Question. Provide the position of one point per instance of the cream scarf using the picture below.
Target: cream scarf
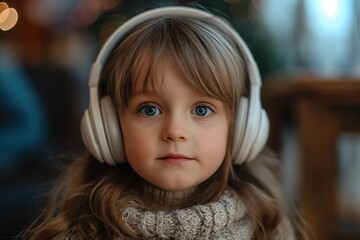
(225, 219)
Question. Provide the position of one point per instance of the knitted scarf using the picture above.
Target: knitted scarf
(225, 219)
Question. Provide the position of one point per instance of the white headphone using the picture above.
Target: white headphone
(100, 127)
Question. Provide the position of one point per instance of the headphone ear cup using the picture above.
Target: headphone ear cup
(252, 130)
(261, 136)
(252, 126)
(112, 130)
(239, 132)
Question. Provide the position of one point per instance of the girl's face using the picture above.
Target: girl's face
(175, 137)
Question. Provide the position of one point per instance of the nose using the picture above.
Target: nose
(175, 129)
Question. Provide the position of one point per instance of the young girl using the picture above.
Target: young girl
(176, 119)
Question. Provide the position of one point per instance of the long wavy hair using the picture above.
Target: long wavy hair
(87, 197)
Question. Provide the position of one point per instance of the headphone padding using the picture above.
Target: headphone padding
(112, 130)
(88, 136)
(240, 124)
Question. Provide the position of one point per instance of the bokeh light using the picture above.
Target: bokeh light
(330, 7)
(8, 17)
(72, 13)
(3, 13)
(87, 12)
(109, 4)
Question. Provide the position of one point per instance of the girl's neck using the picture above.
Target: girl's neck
(159, 199)
(154, 198)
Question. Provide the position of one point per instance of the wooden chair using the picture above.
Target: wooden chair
(320, 109)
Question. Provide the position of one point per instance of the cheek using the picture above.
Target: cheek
(132, 143)
(136, 140)
(214, 144)
(130, 137)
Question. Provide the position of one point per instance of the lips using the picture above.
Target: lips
(175, 158)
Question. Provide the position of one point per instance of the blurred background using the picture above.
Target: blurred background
(308, 52)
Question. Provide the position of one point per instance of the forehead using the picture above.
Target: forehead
(149, 73)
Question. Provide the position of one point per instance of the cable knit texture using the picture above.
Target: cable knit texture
(225, 219)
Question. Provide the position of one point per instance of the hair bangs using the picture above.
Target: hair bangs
(140, 59)
(206, 60)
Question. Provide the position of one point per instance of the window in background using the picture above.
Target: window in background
(326, 45)
(320, 36)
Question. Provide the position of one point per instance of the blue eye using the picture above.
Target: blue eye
(149, 110)
(202, 111)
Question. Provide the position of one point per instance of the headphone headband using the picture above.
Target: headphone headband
(172, 11)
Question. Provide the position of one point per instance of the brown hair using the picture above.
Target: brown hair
(87, 196)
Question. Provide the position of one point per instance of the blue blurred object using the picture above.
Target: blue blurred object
(22, 118)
